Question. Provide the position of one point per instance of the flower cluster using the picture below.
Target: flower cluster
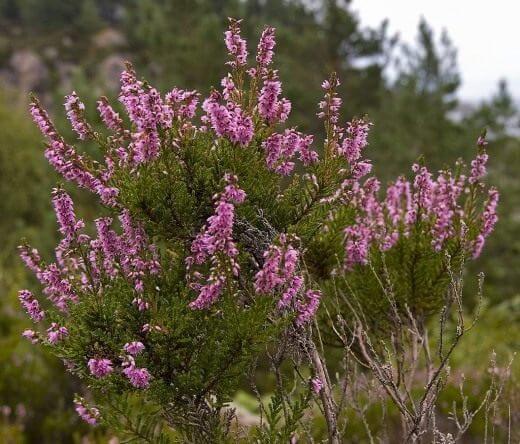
(183, 104)
(90, 415)
(489, 219)
(100, 367)
(235, 44)
(281, 148)
(478, 167)
(31, 305)
(215, 245)
(75, 113)
(148, 113)
(85, 262)
(109, 117)
(228, 121)
(138, 377)
(279, 274)
(307, 308)
(56, 333)
(133, 348)
(31, 336)
(353, 142)
(271, 107)
(316, 385)
(68, 225)
(264, 54)
(433, 204)
(70, 164)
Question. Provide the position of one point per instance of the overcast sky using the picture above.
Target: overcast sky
(486, 34)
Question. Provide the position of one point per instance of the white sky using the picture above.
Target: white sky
(485, 32)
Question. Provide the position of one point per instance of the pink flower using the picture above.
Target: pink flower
(308, 309)
(75, 113)
(478, 168)
(141, 304)
(65, 215)
(31, 258)
(268, 105)
(138, 377)
(228, 121)
(264, 54)
(109, 117)
(279, 273)
(41, 118)
(31, 305)
(100, 367)
(281, 148)
(357, 244)
(355, 140)
(90, 415)
(235, 44)
(208, 293)
(316, 385)
(133, 348)
(31, 335)
(56, 333)
(489, 219)
(182, 103)
(215, 244)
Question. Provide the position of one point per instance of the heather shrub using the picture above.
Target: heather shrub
(221, 233)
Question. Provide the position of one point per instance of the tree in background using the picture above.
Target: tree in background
(417, 106)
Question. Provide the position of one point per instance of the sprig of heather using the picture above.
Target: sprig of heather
(90, 415)
(56, 333)
(235, 44)
(329, 112)
(265, 50)
(109, 117)
(31, 305)
(281, 148)
(280, 275)
(76, 114)
(138, 377)
(434, 205)
(271, 107)
(215, 245)
(489, 219)
(229, 120)
(68, 225)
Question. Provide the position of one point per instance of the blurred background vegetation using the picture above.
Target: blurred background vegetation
(51, 47)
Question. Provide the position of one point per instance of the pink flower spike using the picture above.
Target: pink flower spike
(235, 44)
(31, 305)
(109, 117)
(307, 310)
(90, 415)
(264, 54)
(75, 113)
